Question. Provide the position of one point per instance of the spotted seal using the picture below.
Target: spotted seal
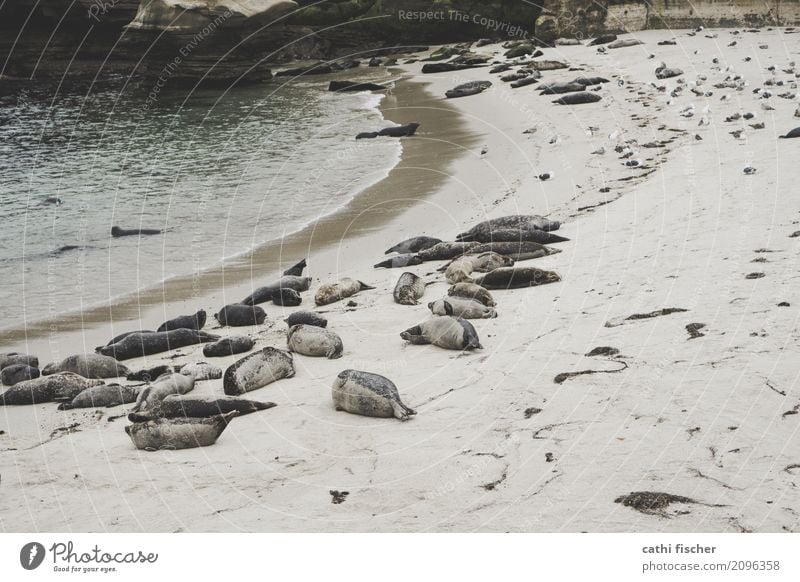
(414, 245)
(526, 234)
(472, 291)
(333, 292)
(16, 373)
(201, 371)
(306, 318)
(517, 278)
(462, 267)
(368, 394)
(88, 366)
(462, 307)
(409, 289)
(228, 346)
(11, 358)
(310, 340)
(148, 374)
(452, 333)
(178, 433)
(187, 406)
(286, 297)
(47, 388)
(166, 384)
(518, 251)
(257, 370)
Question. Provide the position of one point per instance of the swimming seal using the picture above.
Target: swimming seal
(578, 98)
(107, 395)
(482, 232)
(238, 315)
(444, 251)
(257, 370)
(406, 260)
(409, 289)
(196, 321)
(88, 366)
(136, 345)
(462, 307)
(517, 278)
(368, 395)
(452, 333)
(286, 297)
(306, 318)
(47, 389)
(186, 406)
(518, 251)
(166, 384)
(472, 291)
(264, 294)
(310, 340)
(228, 346)
(333, 292)
(201, 371)
(11, 358)
(117, 232)
(414, 245)
(178, 433)
(16, 373)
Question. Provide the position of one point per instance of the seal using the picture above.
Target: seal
(461, 268)
(107, 395)
(136, 345)
(791, 134)
(452, 333)
(11, 358)
(310, 340)
(409, 289)
(196, 321)
(467, 89)
(148, 374)
(47, 389)
(589, 81)
(88, 366)
(201, 371)
(257, 370)
(306, 318)
(525, 234)
(117, 232)
(559, 88)
(482, 232)
(178, 433)
(472, 291)
(368, 395)
(286, 297)
(166, 384)
(444, 251)
(578, 98)
(367, 135)
(122, 336)
(524, 81)
(16, 373)
(295, 270)
(333, 292)
(183, 406)
(518, 251)
(238, 315)
(406, 260)
(406, 130)
(264, 294)
(414, 245)
(517, 278)
(462, 307)
(228, 346)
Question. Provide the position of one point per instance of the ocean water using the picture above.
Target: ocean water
(219, 174)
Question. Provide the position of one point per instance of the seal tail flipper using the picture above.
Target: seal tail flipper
(402, 411)
(365, 286)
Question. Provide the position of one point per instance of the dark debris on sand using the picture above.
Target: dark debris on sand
(655, 502)
(338, 497)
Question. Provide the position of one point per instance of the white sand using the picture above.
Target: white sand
(689, 417)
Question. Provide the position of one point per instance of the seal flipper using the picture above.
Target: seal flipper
(364, 286)
(402, 411)
(141, 399)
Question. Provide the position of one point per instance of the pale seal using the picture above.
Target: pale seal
(306, 318)
(178, 433)
(238, 315)
(559, 88)
(444, 251)
(145, 344)
(482, 232)
(47, 389)
(186, 406)
(526, 234)
(264, 294)
(368, 395)
(406, 260)
(286, 297)
(310, 340)
(201, 371)
(166, 384)
(196, 321)
(472, 291)
(517, 278)
(107, 395)
(88, 366)
(447, 332)
(518, 251)
(462, 307)
(122, 336)
(228, 346)
(257, 370)
(414, 245)
(333, 292)
(409, 289)
(16, 373)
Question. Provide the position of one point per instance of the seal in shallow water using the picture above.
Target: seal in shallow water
(187, 406)
(517, 278)
(414, 245)
(368, 395)
(310, 340)
(333, 292)
(452, 333)
(257, 370)
(409, 289)
(482, 232)
(88, 366)
(178, 433)
(144, 344)
(196, 321)
(64, 385)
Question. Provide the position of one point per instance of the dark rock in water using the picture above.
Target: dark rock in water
(306, 318)
(148, 374)
(286, 297)
(228, 346)
(520, 51)
(524, 82)
(501, 68)
(603, 39)
(367, 135)
(578, 98)
(406, 130)
(354, 86)
(446, 67)
(315, 69)
(116, 231)
(467, 89)
(16, 373)
(196, 321)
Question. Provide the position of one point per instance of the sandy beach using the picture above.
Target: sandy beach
(505, 439)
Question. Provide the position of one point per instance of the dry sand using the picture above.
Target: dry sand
(497, 444)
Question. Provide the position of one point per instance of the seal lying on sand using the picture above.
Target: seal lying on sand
(16, 373)
(447, 332)
(264, 294)
(578, 98)
(368, 395)
(472, 291)
(196, 321)
(399, 261)
(444, 251)
(333, 292)
(166, 384)
(409, 289)
(11, 358)
(186, 406)
(306, 318)
(47, 388)
(238, 315)
(310, 340)
(462, 307)
(517, 278)
(148, 374)
(519, 251)
(136, 345)
(201, 371)
(107, 395)
(406, 130)
(286, 297)
(525, 234)
(414, 245)
(461, 268)
(88, 366)
(228, 346)
(482, 232)
(178, 433)
(257, 370)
